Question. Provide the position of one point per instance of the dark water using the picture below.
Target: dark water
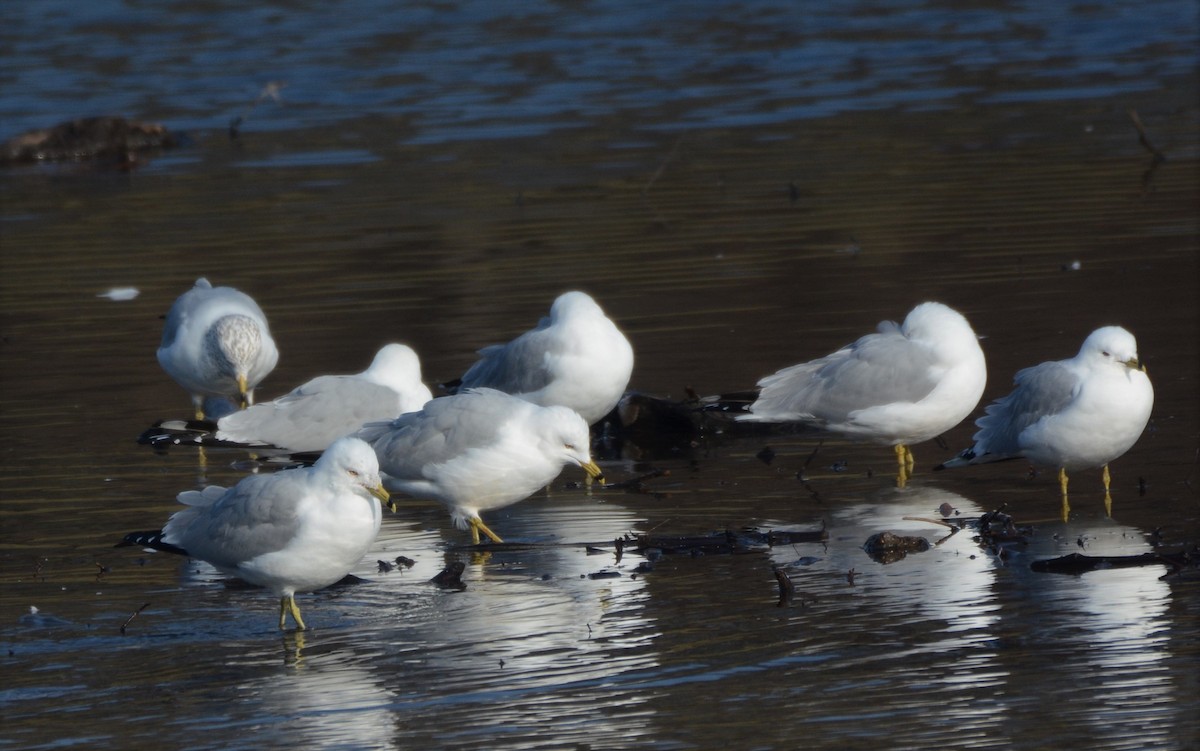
(742, 186)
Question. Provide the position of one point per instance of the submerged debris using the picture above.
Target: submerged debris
(787, 590)
(721, 542)
(451, 576)
(889, 547)
(1078, 563)
(112, 139)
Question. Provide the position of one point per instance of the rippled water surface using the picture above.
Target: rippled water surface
(742, 186)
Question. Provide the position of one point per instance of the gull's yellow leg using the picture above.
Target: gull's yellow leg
(1062, 484)
(902, 465)
(287, 604)
(478, 526)
(909, 460)
(1107, 496)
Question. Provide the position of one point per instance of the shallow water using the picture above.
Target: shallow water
(740, 194)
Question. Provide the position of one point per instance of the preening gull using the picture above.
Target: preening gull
(216, 343)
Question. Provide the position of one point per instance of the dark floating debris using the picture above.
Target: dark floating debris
(726, 542)
(787, 590)
(109, 139)
(451, 576)
(1078, 563)
(889, 547)
(606, 574)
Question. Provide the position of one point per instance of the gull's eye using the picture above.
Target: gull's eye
(352, 472)
(569, 446)
(1106, 354)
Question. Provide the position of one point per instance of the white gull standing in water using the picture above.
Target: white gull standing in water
(216, 343)
(1069, 414)
(903, 384)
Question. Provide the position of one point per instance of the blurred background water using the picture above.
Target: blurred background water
(742, 186)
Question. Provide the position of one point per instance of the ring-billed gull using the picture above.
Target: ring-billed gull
(479, 450)
(577, 358)
(296, 530)
(313, 415)
(1071, 414)
(902, 385)
(216, 343)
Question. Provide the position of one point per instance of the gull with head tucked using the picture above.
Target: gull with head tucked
(315, 414)
(479, 450)
(577, 358)
(216, 343)
(297, 530)
(903, 384)
(1069, 414)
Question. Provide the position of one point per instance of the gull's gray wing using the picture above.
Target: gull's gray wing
(518, 367)
(878, 369)
(255, 517)
(183, 309)
(445, 429)
(312, 416)
(1041, 391)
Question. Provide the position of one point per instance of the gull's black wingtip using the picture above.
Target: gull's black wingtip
(150, 539)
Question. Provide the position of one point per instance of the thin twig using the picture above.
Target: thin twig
(135, 615)
(1143, 139)
(662, 167)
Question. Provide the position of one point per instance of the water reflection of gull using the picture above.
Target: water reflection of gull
(949, 584)
(1105, 635)
(328, 698)
(533, 640)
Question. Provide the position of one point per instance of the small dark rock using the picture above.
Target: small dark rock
(451, 576)
(889, 547)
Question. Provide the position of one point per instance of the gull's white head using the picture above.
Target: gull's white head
(943, 329)
(395, 366)
(352, 462)
(573, 303)
(1111, 344)
(233, 344)
(565, 435)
